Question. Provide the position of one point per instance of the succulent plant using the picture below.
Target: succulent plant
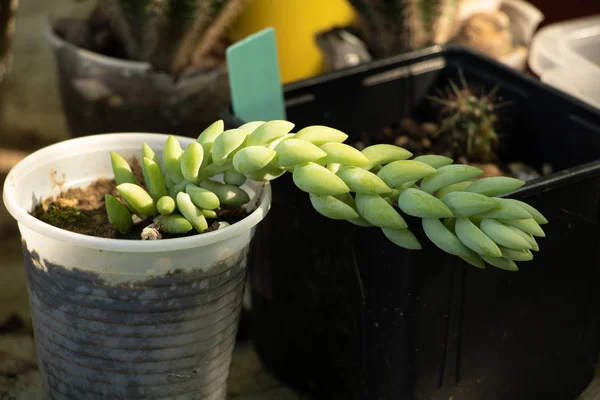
(369, 188)
(170, 34)
(397, 26)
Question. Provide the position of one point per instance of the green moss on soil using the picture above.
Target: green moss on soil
(65, 217)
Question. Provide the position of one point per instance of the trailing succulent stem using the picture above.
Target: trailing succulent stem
(369, 188)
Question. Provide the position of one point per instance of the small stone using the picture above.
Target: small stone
(514, 167)
(489, 170)
(412, 128)
(223, 224)
(401, 140)
(151, 233)
(115, 101)
(432, 129)
(522, 171)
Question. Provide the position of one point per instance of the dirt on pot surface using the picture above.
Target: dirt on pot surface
(82, 210)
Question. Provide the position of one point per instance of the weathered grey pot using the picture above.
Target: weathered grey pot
(127, 319)
(105, 94)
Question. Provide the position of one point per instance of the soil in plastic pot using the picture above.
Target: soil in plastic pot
(82, 210)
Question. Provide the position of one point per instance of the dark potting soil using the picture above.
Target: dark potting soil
(82, 210)
(421, 138)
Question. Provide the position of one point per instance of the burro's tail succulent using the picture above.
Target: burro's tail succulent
(369, 188)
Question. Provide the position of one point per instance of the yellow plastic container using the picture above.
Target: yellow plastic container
(296, 22)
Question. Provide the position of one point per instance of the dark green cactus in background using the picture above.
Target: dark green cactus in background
(396, 26)
(170, 34)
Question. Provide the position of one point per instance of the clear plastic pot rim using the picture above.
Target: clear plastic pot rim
(118, 142)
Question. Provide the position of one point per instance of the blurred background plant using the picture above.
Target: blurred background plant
(172, 35)
(500, 29)
(8, 15)
(163, 70)
(396, 26)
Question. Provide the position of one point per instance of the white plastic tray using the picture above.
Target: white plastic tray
(566, 55)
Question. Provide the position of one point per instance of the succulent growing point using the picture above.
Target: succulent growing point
(369, 188)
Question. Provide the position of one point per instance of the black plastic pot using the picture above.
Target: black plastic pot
(102, 94)
(341, 313)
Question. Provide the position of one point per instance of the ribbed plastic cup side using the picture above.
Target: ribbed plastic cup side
(164, 338)
(128, 319)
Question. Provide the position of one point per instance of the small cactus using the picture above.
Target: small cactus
(469, 120)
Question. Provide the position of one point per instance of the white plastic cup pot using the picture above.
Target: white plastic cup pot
(127, 318)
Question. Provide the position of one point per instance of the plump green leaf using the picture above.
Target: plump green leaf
(293, 152)
(362, 181)
(191, 160)
(122, 169)
(319, 135)
(165, 205)
(332, 207)
(313, 178)
(118, 214)
(138, 199)
(252, 159)
(419, 204)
